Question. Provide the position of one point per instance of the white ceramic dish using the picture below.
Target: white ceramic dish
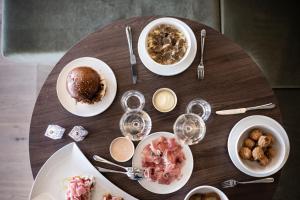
(241, 130)
(177, 24)
(126, 149)
(176, 68)
(206, 189)
(66, 162)
(155, 187)
(81, 109)
(161, 90)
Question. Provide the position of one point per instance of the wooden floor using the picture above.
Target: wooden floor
(19, 86)
(16, 103)
(17, 95)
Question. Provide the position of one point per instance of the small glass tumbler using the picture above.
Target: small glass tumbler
(135, 123)
(190, 127)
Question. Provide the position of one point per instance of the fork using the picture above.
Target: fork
(133, 175)
(100, 159)
(232, 182)
(200, 68)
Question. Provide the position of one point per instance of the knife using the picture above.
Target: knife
(243, 110)
(132, 56)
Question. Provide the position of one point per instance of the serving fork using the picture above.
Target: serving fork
(200, 68)
(132, 172)
(133, 175)
(103, 160)
(232, 182)
(131, 54)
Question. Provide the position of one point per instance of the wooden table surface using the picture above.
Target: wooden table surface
(232, 80)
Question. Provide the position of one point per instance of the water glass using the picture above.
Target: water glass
(190, 127)
(135, 123)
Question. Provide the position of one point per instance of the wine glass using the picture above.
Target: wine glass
(190, 127)
(135, 123)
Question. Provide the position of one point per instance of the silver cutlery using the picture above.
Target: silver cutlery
(232, 182)
(133, 171)
(200, 68)
(243, 110)
(100, 159)
(131, 54)
(133, 175)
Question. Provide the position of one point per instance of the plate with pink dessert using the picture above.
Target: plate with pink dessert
(168, 163)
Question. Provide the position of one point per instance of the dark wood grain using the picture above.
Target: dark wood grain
(232, 80)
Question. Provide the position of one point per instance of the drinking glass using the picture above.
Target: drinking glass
(190, 127)
(135, 123)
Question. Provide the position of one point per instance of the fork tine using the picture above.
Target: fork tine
(202, 73)
(225, 184)
(228, 183)
(199, 73)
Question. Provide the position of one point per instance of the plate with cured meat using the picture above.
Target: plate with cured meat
(168, 164)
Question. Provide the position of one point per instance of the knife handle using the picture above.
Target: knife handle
(264, 106)
(231, 111)
(101, 169)
(203, 34)
(129, 39)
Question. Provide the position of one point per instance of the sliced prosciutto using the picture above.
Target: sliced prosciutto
(163, 160)
(80, 188)
(110, 197)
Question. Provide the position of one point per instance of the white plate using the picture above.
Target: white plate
(81, 109)
(164, 70)
(240, 131)
(206, 189)
(66, 162)
(155, 187)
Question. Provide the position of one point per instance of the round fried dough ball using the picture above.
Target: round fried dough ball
(264, 141)
(271, 138)
(245, 153)
(258, 153)
(264, 161)
(271, 152)
(249, 143)
(255, 134)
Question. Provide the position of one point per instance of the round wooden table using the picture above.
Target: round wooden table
(232, 80)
